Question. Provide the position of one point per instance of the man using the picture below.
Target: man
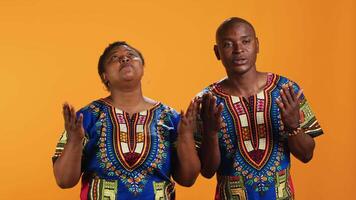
(252, 121)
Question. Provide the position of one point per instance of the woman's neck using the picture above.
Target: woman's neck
(129, 99)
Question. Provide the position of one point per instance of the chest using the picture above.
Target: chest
(251, 127)
(129, 143)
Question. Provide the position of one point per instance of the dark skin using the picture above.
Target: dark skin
(301, 145)
(237, 48)
(187, 163)
(122, 75)
(72, 153)
(212, 122)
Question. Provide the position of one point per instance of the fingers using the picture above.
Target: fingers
(190, 109)
(198, 101)
(210, 105)
(212, 111)
(291, 89)
(206, 102)
(220, 108)
(289, 100)
(195, 110)
(286, 91)
(182, 115)
(213, 108)
(66, 115)
(300, 92)
(183, 118)
(71, 121)
(206, 105)
(79, 122)
(72, 115)
(203, 104)
(283, 98)
(280, 104)
(295, 96)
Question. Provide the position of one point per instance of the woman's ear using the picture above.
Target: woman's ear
(104, 79)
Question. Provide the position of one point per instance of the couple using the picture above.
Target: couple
(243, 128)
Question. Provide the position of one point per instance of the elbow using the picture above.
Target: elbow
(63, 184)
(307, 158)
(64, 181)
(188, 179)
(187, 183)
(207, 174)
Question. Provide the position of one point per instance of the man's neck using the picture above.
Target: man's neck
(245, 84)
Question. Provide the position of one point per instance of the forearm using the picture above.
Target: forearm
(301, 146)
(209, 155)
(188, 163)
(67, 168)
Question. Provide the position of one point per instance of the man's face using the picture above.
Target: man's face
(237, 48)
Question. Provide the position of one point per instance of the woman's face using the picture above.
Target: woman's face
(122, 65)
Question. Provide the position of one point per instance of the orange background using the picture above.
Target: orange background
(49, 53)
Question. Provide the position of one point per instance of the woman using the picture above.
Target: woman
(126, 146)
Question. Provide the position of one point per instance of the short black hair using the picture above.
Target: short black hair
(104, 56)
(230, 21)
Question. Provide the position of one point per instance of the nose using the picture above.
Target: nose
(237, 48)
(124, 59)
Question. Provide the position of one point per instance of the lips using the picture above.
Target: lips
(239, 61)
(125, 65)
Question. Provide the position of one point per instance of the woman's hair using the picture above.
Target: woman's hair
(104, 56)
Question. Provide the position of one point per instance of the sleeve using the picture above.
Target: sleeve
(63, 139)
(308, 121)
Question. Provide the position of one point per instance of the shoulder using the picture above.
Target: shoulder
(167, 116)
(210, 88)
(281, 80)
(93, 107)
(167, 110)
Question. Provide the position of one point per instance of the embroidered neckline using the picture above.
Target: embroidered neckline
(152, 108)
(270, 82)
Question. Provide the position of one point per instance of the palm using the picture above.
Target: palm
(211, 113)
(289, 106)
(72, 123)
(187, 123)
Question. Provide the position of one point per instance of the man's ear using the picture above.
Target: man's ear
(216, 51)
(257, 45)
